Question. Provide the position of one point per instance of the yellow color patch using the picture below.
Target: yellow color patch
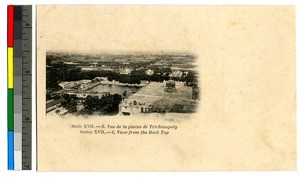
(10, 67)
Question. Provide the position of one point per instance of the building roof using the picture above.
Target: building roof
(54, 102)
(63, 112)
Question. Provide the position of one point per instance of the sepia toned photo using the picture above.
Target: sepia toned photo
(165, 88)
(124, 84)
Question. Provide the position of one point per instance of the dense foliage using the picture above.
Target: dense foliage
(107, 104)
(58, 72)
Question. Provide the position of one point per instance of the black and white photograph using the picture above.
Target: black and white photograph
(121, 84)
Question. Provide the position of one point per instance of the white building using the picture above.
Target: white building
(83, 94)
(129, 107)
(101, 79)
(84, 83)
(176, 73)
(68, 85)
(149, 72)
(89, 69)
(125, 71)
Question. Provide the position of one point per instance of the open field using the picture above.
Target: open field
(157, 89)
(154, 94)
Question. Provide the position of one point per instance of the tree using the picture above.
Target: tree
(125, 94)
(70, 103)
(91, 103)
(71, 106)
(108, 104)
(190, 78)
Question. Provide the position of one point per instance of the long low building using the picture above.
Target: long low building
(84, 94)
(54, 104)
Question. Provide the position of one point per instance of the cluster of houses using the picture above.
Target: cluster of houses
(134, 104)
(137, 106)
(126, 70)
(82, 95)
(94, 67)
(78, 89)
(56, 105)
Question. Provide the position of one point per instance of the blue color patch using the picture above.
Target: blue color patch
(10, 159)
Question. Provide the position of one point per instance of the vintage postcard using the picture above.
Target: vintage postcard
(166, 88)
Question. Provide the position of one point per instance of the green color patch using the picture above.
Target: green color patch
(10, 109)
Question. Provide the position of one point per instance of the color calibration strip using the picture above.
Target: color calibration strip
(19, 43)
(10, 80)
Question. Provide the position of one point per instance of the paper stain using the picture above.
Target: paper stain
(232, 23)
(267, 142)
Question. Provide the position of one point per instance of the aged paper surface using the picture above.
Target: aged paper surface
(246, 116)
